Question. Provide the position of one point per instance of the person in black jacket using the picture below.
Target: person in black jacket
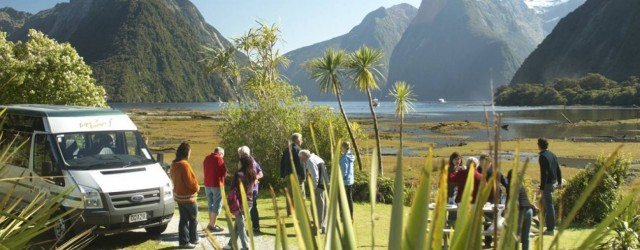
(486, 162)
(525, 212)
(550, 179)
(285, 164)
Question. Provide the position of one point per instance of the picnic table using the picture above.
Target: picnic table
(488, 210)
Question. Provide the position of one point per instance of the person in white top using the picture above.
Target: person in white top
(317, 170)
(104, 142)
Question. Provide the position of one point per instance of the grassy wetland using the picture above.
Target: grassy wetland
(166, 129)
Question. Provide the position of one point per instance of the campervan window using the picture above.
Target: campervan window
(19, 144)
(17, 130)
(44, 162)
(22, 123)
(105, 149)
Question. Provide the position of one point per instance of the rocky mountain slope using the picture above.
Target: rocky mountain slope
(454, 48)
(551, 11)
(381, 29)
(598, 37)
(11, 19)
(141, 51)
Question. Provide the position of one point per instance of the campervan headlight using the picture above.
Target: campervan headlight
(168, 191)
(91, 197)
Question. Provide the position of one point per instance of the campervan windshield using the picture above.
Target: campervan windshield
(103, 149)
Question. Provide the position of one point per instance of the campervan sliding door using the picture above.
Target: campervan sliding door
(45, 165)
(16, 172)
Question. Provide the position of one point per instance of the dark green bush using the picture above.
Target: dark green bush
(322, 118)
(360, 189)
(266, 128)
(603, 200)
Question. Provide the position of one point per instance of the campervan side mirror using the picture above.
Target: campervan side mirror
(160, 159)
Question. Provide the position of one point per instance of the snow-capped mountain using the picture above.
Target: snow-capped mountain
(551, 11)
(542, 6)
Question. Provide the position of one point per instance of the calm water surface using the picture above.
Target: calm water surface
(524, 122)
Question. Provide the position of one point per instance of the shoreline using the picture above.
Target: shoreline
(420, 135)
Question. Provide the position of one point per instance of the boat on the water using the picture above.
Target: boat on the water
(441, 100)
(375, 102)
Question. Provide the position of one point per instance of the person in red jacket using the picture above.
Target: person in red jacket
(185, 193)
(214, 173)
(459, 178)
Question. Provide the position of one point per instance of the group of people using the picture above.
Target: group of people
(249, 172)
(550, 179)
(301, 161)
(186, 189)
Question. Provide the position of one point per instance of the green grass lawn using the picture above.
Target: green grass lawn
(363, 227)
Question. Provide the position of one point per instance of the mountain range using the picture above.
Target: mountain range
(140, 51)
(380, 29)
(11, 19)
(598, 37)
(453, 49)
(150, 51)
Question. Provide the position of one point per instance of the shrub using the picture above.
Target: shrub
(360, 189)
(267, 128)
(322, 118)
(271, 111)
(626, 230)
(604, 199)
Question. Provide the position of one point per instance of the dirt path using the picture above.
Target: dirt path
(138, 239)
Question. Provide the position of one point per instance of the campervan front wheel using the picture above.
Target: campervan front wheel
(157, 230)
(61, 227)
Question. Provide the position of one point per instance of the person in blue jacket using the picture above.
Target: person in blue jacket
(346, 166)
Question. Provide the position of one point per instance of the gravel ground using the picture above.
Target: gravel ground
(170, 237)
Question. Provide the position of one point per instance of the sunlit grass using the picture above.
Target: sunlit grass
(202, 134)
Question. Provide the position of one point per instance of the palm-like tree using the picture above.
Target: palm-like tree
(363, 67)
(326, 70)
(404, 97)
(223, 61)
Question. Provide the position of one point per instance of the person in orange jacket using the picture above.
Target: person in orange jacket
(185, 193)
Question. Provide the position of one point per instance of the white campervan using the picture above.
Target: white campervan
(117, 185)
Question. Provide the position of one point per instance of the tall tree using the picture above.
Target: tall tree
(222, 61)
(364, 68)
(326, 70)
(265, 60)
(43, 71)
(402, 93)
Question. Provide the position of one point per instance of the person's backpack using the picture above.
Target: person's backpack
(234, 202)
(323, 176)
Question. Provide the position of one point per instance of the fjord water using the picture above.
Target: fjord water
(523, 122)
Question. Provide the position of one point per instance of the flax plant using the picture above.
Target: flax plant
(23, 221)
(425, 225)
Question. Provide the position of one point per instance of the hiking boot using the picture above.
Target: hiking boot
(215, 228)
(188, 246)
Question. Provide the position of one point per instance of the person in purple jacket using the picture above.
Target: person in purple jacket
(255, 215)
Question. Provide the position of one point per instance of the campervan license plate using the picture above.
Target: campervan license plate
(137, 217)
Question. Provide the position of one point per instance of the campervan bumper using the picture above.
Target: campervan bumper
(111, 221)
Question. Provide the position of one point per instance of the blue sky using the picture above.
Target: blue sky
(302, 22)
